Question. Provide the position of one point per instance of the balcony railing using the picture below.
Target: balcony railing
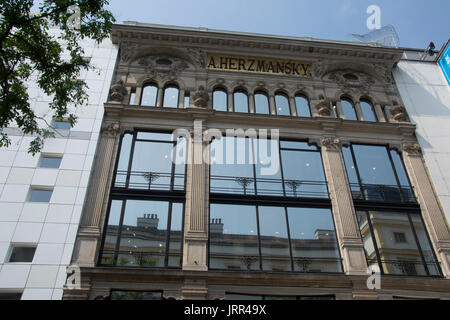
(409, 267)
(385, 193)
(268, 187)
(148, 180)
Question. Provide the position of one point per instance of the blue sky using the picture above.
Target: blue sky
(417, 21)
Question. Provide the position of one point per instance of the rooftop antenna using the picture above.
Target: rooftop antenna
(385, 36)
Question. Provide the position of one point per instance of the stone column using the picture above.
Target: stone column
(196, 215)
(89, 234)
(359, 114)
(251, 103)
(347, 229)
(159, 99)
(137, 98)
(340, 111)
(230, 102)
(272, 107)
(379, 112)
(181, 99)
(292, 106)
(432, 212)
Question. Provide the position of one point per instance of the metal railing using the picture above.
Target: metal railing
(149, 180)
(268, 187)
(385, 193)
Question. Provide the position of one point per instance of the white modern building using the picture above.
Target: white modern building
(41, 197)
(426, 96)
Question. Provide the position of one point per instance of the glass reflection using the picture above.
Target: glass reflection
(171, 97)
(400, 252)
(149, 94)
(282, 105)
(275, 253)
(349, 109)
(233, 240)
(240, 101)
(220, 100)
(367, 111)
(302, 106)
(313, 240)
(261, 103)
(112, 232)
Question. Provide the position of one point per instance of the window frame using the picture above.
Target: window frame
(145, 85)
(285, 95)
(164, 93)
(304, 96)
(352, 103)
(263, 93)
(220, 89)
(241, 91)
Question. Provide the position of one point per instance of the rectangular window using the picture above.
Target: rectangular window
(272, 238)
(390, 250)
(132, 97)
(22, 254)
(143, 233)
(186, 100)
(50, 161)
(264, 167)
(61, 125)
(376, 173)
(40, 195)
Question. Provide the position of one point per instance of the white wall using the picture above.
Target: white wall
(52, 226)
(426, 96)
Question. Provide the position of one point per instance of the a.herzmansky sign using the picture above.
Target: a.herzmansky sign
(259, 65)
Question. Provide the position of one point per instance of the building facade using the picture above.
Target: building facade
(234, 165)
(426, 95)
(41, 196)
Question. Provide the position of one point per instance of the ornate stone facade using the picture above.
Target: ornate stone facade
(178, 58)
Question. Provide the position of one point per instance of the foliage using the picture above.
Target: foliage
(31, 51)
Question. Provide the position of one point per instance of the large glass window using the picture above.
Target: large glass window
(302, 106)
(282, 104)
(171, 93)
(240, 101)
(408, 254)
(261, 102)
(272, 238)
(143, 233)
(152, 161)
(149, 95)
(376, 174)
(252, 166)
(145, 220)
(349, 109)
(220, 100)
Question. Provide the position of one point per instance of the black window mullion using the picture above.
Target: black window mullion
(119, 232)
(172, 174)
(169, 221)
(356, 169)
(130, 160)
(375, 245)
(289, 238)
(395, 171)
(254, 165)
(281, 168)
(259, 238)
(418, 244)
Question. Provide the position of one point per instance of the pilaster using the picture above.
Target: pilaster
(347, 230)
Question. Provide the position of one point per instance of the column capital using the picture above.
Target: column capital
(412, 148)
(331, 143)
(110, 129)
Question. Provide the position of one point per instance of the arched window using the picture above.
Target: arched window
(220, 99)
(149, 94)
(171, 96)
(240, 98)
(261, 102)
(302, 106)
(282, 104)
(368, 111)
(349, 109)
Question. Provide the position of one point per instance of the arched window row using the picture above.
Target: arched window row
(348, 109)
(152, 96)
(260, 102)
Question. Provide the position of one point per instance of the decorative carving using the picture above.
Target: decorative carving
(111, 129)
(324, 108)
(127, 51)
(413, 148)
(170, 70)
(399, 114)
(117, 91)
(201, 98)
(198, 56)
(359, 84)
(331, 143)
(318, 69)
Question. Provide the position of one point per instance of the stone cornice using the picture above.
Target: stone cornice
(215, 39)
